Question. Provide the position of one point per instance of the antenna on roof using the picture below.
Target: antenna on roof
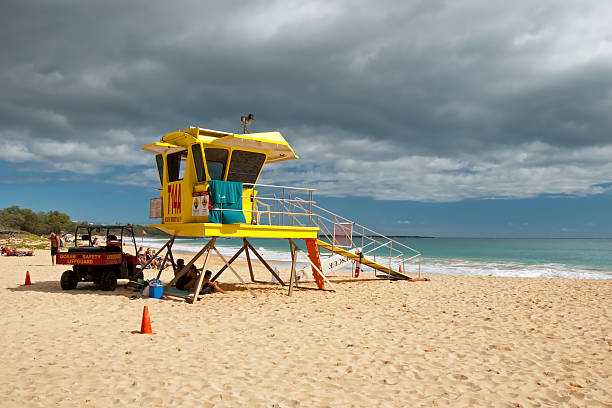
(244, 121)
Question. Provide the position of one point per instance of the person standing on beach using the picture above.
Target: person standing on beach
(54, 238)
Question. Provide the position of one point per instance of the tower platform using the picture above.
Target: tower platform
(206, 229)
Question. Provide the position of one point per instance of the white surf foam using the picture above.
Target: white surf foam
(428, 265)
(512, 269)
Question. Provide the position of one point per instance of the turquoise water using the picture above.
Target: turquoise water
(590, 253)
(564, 258)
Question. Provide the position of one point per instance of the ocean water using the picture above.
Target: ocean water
(550, 258)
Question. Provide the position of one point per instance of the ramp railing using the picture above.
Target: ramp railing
(372, 245)
(291, 206)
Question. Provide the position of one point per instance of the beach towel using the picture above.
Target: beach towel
(176, 292)
(225, 195)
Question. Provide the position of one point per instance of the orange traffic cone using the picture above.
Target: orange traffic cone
(145, 327)
(28, 281)
(400, 269)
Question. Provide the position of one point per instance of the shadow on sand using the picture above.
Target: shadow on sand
(88, 288)
(82, 288)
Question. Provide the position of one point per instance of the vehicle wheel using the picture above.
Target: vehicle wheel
(69, 280)
(108, 281)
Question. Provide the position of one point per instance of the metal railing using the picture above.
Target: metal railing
(291, 206)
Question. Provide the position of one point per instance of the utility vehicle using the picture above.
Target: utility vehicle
(100, 262)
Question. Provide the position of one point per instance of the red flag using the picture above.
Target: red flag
(144, 232)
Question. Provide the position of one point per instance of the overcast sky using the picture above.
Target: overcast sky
(428, 101)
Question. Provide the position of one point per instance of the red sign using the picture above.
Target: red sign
(174, 198)
(75, 258)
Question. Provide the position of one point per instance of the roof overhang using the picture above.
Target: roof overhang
(162, 148)
(272, 142)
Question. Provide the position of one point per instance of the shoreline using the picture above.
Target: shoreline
(464, 267)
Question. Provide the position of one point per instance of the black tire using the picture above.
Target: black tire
(108, 281)
(69, 280)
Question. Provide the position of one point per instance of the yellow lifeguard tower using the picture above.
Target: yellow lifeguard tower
(209, 189)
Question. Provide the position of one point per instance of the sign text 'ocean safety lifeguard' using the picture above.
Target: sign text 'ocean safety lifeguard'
(88, 259)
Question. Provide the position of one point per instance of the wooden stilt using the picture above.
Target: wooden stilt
(265, 263)
(193, 260)
(248, 257)
(296, 283)
(234, 271)
(162, 265)
(160, 268)
(292, 278)
(229, 262)
(171, 258)
(315, 268)
(209, 247)
(143, 267)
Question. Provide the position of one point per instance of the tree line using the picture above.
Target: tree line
(17, 219)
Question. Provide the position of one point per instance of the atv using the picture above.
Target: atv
(101, 263)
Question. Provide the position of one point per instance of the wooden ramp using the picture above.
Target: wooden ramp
(364, 261)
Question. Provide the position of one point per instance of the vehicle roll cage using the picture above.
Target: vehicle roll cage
(127, 231)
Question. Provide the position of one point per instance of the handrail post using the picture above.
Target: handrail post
(390, 253)
(310, 208)
(362, 236)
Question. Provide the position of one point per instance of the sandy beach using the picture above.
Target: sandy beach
(454, 341)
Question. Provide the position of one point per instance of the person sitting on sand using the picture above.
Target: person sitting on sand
(29, 252)
(209, 286)
(190, 280)
(180, 264)
(8, 251)
(149, 257)
(15, 252)
(141, 256)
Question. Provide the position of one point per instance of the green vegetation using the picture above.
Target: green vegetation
(18, 219)
(32, 241)
(25, 221)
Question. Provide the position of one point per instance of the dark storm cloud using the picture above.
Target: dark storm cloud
(431, 79)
